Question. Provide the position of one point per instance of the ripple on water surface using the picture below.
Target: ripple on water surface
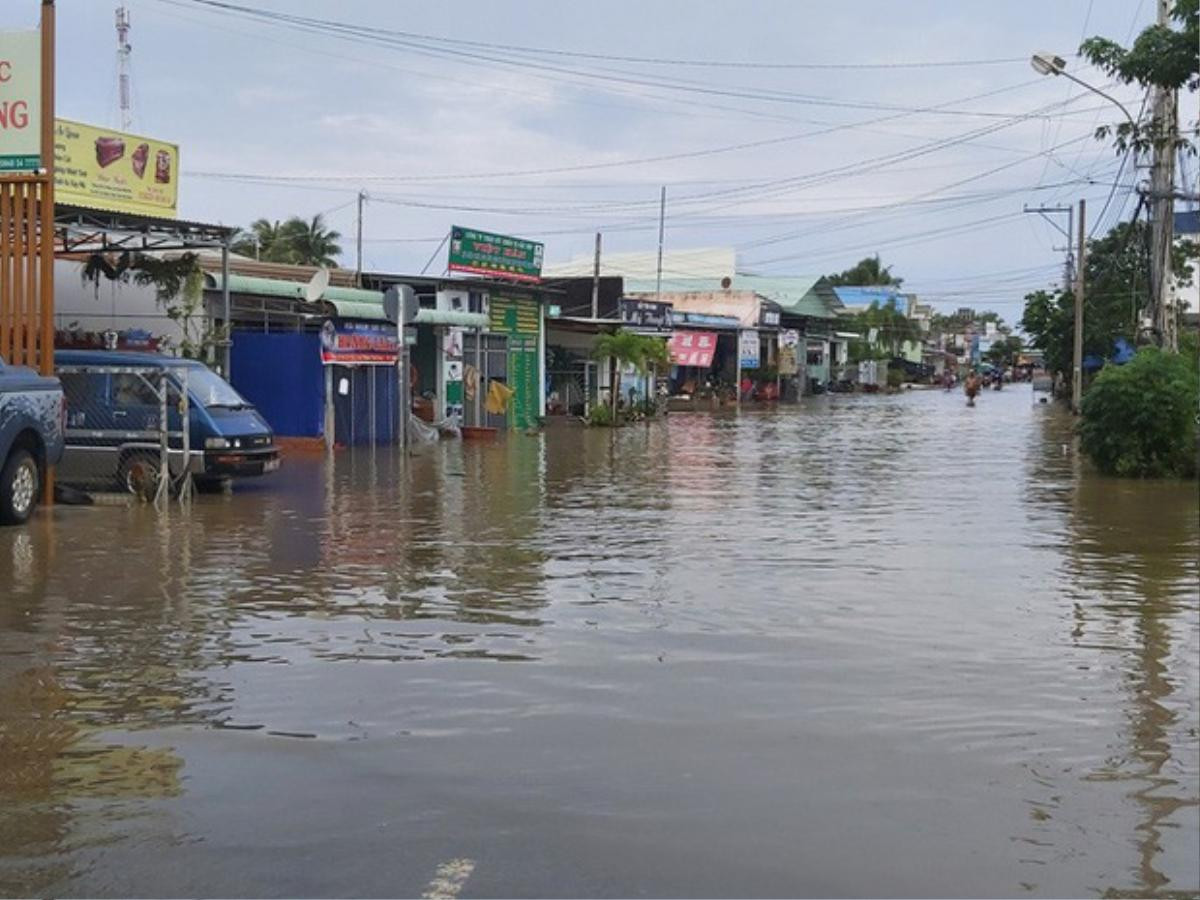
(876, 645)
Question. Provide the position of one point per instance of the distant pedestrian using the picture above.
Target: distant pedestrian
(971, 387)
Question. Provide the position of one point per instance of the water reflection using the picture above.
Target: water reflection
(1135, 549)
(820, 644)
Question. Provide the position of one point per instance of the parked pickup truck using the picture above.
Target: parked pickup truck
(31, 438)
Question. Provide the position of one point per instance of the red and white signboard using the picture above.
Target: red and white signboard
(693, 348)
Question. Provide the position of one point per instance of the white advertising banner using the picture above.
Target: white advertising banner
(20, 101)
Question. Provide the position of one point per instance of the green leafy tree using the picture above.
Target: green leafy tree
(1161, 56)
(625, 348)
(1116, 283)
(893, 329)
(867, 271)
(1139, 419)
(1003, 352)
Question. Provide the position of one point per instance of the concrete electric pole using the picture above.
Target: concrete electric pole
(1081, 268)
(596, 280)
(1162, 209)
(358, 264)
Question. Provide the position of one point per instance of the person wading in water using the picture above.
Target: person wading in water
(972, 388)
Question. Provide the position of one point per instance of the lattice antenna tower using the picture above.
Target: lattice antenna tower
(123, 52)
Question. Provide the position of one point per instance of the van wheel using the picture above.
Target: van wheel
(19, 486)
(138, 474)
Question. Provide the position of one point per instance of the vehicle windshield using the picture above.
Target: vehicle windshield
(212, 390)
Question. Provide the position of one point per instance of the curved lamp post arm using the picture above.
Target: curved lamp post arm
(1095, 90)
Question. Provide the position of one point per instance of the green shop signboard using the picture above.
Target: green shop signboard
(481, 253)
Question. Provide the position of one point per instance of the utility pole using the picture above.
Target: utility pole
(596, 281)
(1068, 274)
(1162, 199)
(1077, 367)
(358, 267)
(123, 51)
(662, 215)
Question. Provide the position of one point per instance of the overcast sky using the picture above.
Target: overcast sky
(412, 121)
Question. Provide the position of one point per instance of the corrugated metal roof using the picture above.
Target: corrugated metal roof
(210, 261)
(797, 295)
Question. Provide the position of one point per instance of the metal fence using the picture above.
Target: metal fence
(129, 430)
(574, 388)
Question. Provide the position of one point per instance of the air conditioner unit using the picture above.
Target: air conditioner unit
(452, 301)
(463, 301)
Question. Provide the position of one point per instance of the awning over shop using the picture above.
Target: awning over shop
(427, 316)
(700, 320)
(346, 302)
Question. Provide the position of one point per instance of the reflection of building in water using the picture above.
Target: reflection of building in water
(1134, 546)
(50, 765)
(449, 533)
(115, 642)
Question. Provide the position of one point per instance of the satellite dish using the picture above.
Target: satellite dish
(316, 285)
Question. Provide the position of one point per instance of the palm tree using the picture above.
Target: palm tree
(262, 241)
(622, 348)
(310, 243)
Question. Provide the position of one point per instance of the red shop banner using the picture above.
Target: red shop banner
(693, 348)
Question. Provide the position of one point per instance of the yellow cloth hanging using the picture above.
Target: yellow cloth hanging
(498, 396)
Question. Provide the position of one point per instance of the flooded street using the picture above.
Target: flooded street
(883, 646)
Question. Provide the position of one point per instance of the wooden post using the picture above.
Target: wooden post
(47, 221)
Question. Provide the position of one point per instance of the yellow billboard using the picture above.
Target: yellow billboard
(104, 169)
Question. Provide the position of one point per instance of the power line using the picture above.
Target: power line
(642, 60)
(379, 37)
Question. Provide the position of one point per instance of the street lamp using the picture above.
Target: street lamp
(1048, 64)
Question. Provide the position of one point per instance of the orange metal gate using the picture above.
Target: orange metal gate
(27, 272)
(27, 243)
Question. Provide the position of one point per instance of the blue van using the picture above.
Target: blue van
(113, 415)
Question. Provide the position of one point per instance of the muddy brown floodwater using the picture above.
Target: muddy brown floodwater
(884, 646)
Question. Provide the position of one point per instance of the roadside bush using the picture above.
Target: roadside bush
(600, 415)
(1139, 420)
(895, 377)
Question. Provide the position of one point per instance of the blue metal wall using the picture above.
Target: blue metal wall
(281, 374)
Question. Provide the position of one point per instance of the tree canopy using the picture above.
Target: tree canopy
(1116, 283)
(296, 241)
(1160, 56)
(890, 326)
(867, 271)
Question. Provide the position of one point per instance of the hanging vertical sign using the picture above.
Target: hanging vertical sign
(748, 348)
(20, 101)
